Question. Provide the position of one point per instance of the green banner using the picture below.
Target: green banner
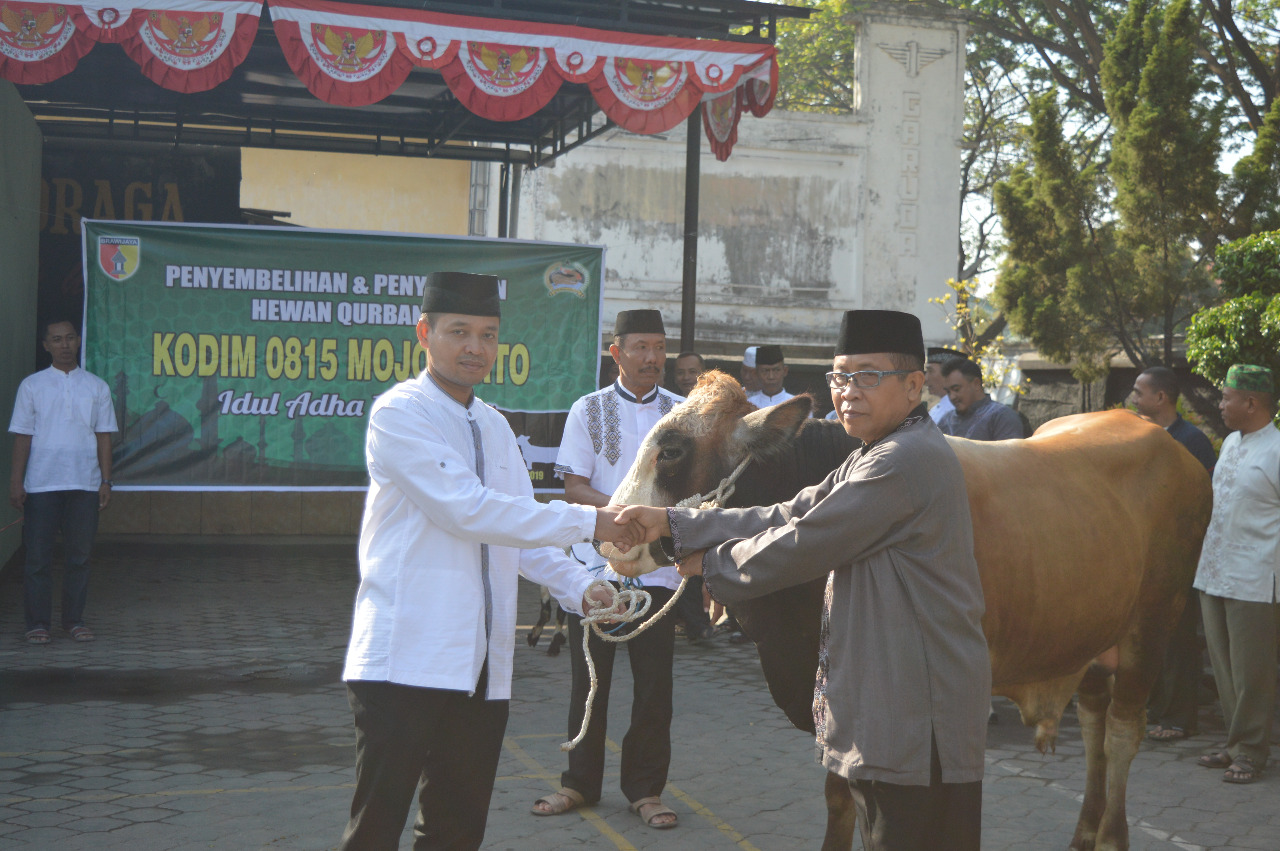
(248, 357)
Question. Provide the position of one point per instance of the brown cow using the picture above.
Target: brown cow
(1086, 537)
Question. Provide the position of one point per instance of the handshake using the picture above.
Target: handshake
(627, 526)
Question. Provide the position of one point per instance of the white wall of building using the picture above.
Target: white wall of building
(812, 214)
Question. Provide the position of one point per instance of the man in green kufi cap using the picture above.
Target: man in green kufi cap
(1238, 572)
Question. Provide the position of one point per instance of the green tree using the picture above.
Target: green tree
(1246, 328)
(815, 67)
(1062, 282)
(1064, 43)
(1164, 164)
(1110, 234)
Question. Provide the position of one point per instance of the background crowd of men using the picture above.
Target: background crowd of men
(450, 522)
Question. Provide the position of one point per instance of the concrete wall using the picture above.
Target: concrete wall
(19, 261)
(226, 513)
(812, 215)
(353, 192)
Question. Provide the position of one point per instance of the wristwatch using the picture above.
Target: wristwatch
(108, 483)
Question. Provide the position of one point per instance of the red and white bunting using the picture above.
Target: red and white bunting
(354, 55)
(182, 45)
(508, 70)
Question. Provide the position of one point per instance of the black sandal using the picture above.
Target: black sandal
(1242, 771)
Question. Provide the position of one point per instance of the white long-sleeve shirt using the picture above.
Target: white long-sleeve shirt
(420, 611)
(763, 400)
(1240, 558)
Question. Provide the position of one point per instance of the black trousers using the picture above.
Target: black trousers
(919, 818)
(646, 748)
(1175, 698)
(443, 743)
(689, 608)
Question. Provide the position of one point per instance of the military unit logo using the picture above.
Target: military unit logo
(118, 256)
(567, 277)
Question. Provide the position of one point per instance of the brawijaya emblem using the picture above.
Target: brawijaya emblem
(119, 256)
(567, 277)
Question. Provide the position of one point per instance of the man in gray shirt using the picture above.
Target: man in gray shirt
(976, 416)
(901, 697)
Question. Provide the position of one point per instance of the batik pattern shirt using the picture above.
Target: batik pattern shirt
(1241, 551)
(602, 436)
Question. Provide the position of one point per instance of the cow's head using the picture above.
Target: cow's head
(696, 446)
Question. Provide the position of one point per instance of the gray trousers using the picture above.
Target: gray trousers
(1241, 637)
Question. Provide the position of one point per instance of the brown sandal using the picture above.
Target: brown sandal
(556, 803)
(650, 809)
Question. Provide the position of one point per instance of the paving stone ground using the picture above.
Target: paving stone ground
(209, 714)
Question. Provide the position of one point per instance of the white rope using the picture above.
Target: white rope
(636, 602)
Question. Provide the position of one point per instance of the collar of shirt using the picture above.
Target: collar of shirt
(1262, 435)
(448, 395)
(976, 408)
(917, 414)
(630, 397)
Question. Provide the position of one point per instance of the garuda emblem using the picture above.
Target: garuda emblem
(33, 31)
(503, 69)
(647, 85)
(349, 53)
(186, 34)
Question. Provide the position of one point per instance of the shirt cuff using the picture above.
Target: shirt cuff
(676, 546)
(588, 528)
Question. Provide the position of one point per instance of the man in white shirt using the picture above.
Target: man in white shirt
(601, 438)
(771, 369)
(61, 478)
(1237, 572)
(449, 522)
(750, 381)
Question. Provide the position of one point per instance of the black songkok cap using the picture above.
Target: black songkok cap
(768, 355)
(938, 354)
(865, 332)
(461, 292)
(638, 322)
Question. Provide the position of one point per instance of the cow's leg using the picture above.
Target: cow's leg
(1091, 708)
(558, 640)
(1126, 725)
(544, 615)
(842, 816)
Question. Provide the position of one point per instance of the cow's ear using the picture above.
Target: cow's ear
(769, 431)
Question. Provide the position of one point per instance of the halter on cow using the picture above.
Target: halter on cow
(1086, 536)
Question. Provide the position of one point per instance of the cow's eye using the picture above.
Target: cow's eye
(668, 453)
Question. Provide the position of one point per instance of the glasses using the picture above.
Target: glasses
(863, 379)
